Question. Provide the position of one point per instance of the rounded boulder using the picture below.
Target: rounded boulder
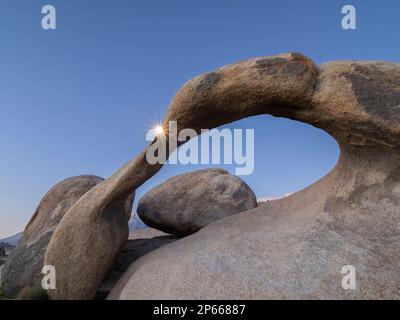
(184, 204)
(23, 268)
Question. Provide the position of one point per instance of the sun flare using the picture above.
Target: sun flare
(158, 130)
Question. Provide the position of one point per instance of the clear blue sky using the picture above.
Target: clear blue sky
(79, 100)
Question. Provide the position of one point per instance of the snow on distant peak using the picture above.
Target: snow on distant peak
(268, 199)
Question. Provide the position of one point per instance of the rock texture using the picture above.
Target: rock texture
(188, 202)
(23, 268)
(3, 252)
(290, 248)
(295, 247)
(139, 243)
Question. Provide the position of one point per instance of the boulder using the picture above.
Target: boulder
(23, 268)
(188, 202)
(88, 241)
(296, 247)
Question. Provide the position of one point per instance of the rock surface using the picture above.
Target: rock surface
(143, 242)
(188, 202)
(140, 242)
(23, 268)
(3, 252)
(295, 247)
(88, 241)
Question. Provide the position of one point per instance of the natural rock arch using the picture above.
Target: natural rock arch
(354, 207)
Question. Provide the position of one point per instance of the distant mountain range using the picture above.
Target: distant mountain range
(134, 224)
(13, 240)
